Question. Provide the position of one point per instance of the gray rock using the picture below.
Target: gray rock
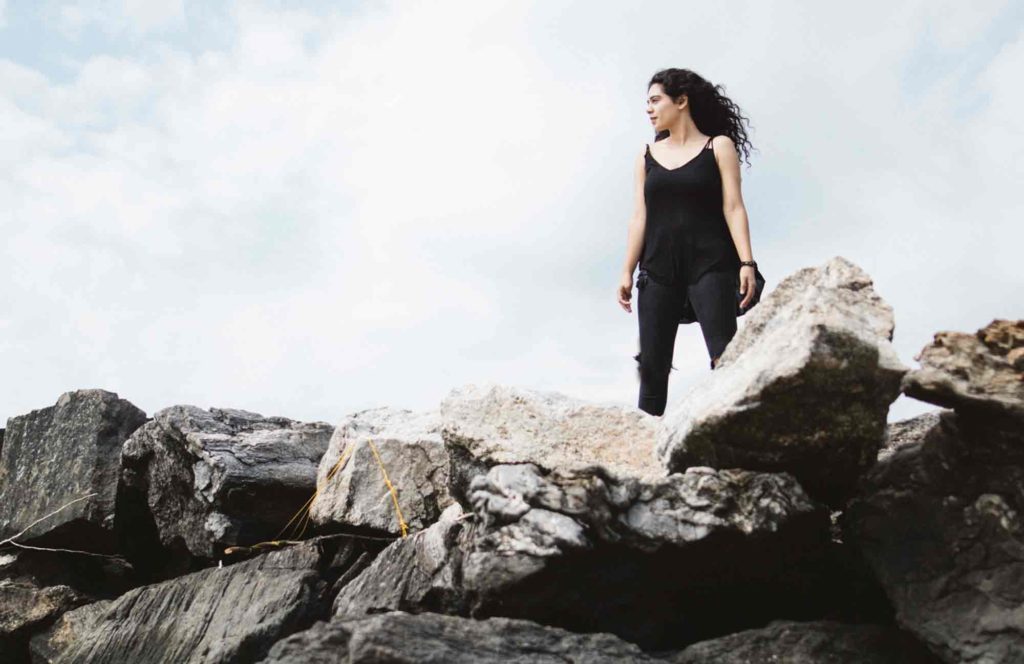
(222, 477)
(939, 522)
(487, 425)
(979, 374)
(804, 387)
(817, 642)
(904, 432)
(656, 562)
(400, 637)
(55, 455)
(26, 608)
(229, 614)
(414, 457)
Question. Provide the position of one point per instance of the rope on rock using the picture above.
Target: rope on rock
(391, 488)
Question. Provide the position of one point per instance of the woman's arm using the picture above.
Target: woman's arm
(732, 198)
(638, 220)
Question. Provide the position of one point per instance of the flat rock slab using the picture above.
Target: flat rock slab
(809, 643)
(59, 454)
(804, 387)
(980, 374)
(487, 425)
(229, 614)
(400, 637)
(413, 456)
(222, 477)
(940, 522)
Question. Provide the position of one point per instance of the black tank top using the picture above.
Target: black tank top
(686, 233)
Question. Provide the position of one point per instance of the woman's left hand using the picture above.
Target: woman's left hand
(748, 285)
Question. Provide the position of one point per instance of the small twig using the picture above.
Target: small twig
(394, 494)
(10, 540)
(43, 548)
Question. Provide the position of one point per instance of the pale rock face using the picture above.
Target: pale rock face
(413, 455)
(804, 387)
(487, 425)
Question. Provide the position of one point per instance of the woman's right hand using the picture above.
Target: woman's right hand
(626, 291)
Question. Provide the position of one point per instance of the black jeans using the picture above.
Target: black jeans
(713, 298)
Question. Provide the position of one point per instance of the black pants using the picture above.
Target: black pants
(713, 298)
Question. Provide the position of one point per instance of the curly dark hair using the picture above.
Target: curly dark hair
(712, 111)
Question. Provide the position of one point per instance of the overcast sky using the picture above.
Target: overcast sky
(308, 212)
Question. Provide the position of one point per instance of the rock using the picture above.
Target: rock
(401, 637)
(412, 453)
(229, 614)
(417, 572)
(904, 432)
(656, 562)
(979, 374)
(804, 387)
(56, 455)
(809, 643)
(483, 426)
(25, 608)
(220, 477)
(939, 522)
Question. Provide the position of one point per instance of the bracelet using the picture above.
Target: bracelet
(752, 264)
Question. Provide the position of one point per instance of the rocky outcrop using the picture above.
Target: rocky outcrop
(66, 453)
(804, 387)
(400, 637)
(977, 374)
(229, 614)
(905, 432)
(221, 477)
(656, 562)
(939, 521)
(809, 643)
(487, 425)
(351, 487)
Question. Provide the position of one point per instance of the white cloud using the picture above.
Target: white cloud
(342, 211)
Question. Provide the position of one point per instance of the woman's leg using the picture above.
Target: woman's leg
(658, 315)
(714, 301)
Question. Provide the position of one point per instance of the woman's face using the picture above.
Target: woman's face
(661, 110)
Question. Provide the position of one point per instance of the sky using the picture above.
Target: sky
(310, 209)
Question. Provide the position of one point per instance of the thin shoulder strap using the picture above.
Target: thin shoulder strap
(710, 138)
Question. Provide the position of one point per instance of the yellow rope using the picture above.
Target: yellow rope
(391, 488)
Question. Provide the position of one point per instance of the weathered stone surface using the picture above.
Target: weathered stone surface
(939, 522)
(229, 614)
(904, 432)
(658, 562)
(25, 608)
(55, 455)
(979, 374)
(400, 637)
(487, 425)
(815, 642)
(804, 387)
(414, 457)
(220, 477)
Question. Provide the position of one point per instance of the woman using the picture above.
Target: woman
(689, 229)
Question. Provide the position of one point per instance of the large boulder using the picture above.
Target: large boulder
(657, 562)
(229, 614)
(59, 455)
(351, 487)
(400, 637)
(804, 387)
(487, 425)
(809, 643)
(939, 522)
(221, 477)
